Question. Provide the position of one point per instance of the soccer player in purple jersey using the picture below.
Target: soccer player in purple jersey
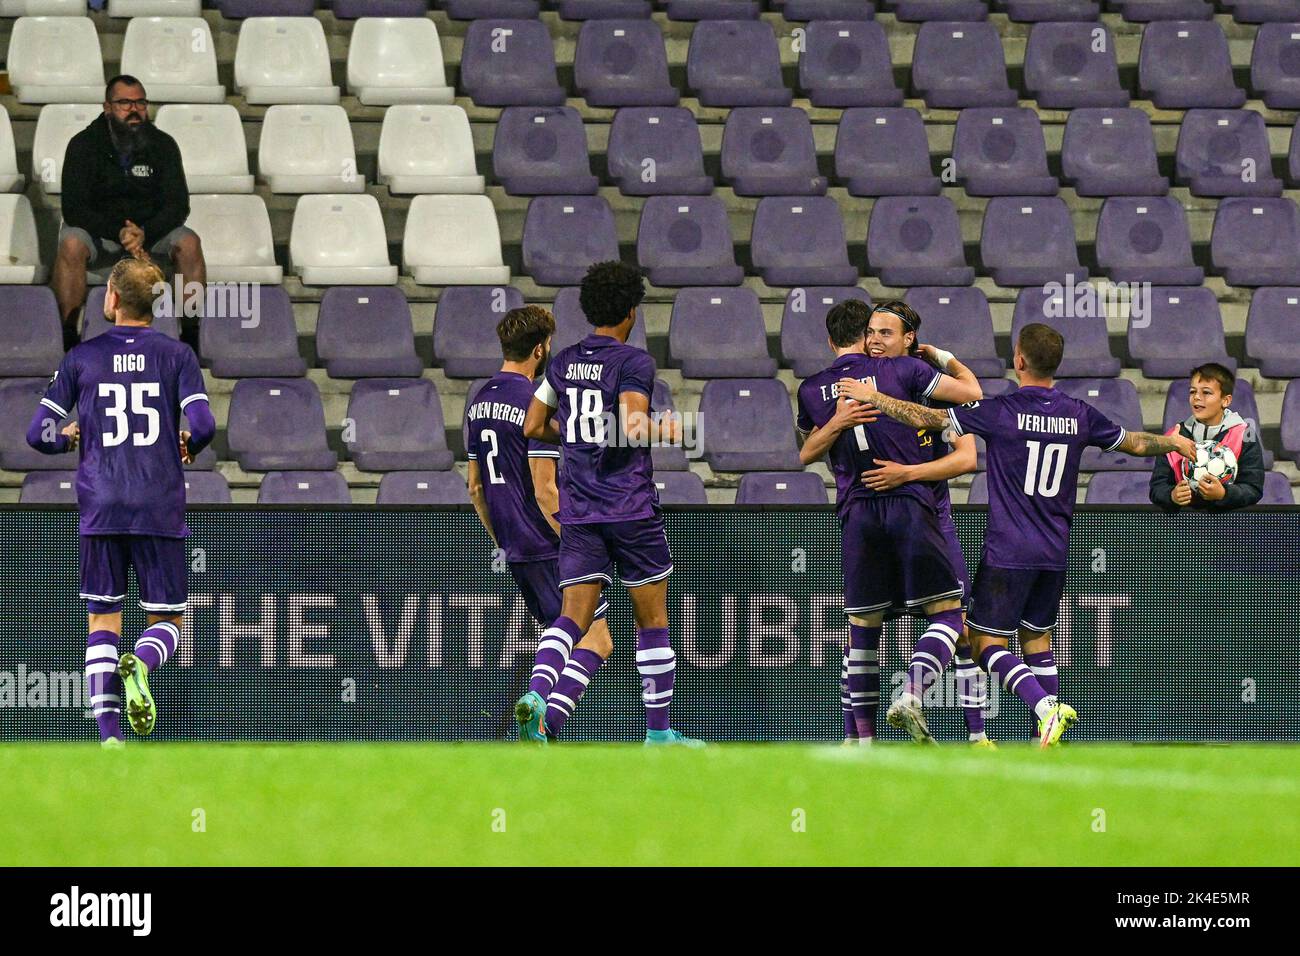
(895, 557)
(128, 388)
(599, 392)
(517, 504)
(1035, 438)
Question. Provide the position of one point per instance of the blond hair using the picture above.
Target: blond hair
(138, 284)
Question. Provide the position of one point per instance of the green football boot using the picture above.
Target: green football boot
(530, 715)
(140, 710)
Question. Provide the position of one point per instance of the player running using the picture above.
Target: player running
(517, 505)
(1035, 438)
(895, 557)
(599, 390)
(128, 388)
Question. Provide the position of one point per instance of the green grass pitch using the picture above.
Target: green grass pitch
(614, 805)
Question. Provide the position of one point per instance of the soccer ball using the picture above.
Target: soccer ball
(1212, 460)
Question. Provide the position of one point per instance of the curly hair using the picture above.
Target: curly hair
(610, 291)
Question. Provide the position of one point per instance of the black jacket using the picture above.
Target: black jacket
(99, 195)
(1245, 491)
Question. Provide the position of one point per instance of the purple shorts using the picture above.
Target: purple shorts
(539, 583)
(1005, 600)
(589, 552)
(895, 556)
(161, 570)
(949, 531)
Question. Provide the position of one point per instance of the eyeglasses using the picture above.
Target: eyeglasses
(131, 104)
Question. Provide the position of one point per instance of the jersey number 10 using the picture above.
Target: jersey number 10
(1045, 471)
(116, 411)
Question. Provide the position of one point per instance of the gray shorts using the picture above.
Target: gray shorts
(106, 252)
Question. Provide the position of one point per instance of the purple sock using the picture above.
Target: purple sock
(1044, 667)
(850, 725)
(553, 650)
(864, 677)
(103, 683)
(156, 644)
(577, 673)
(657, 665)
(972, 692)
(1015, 676)
(934, 650)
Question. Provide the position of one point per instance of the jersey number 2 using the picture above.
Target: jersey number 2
(116, 411)
(490, 459)
(1046, 470)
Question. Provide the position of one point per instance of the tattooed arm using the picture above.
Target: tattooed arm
(1145, 444)
(909, 413)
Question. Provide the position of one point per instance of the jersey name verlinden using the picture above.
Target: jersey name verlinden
(502, 411)
(585, 371)
(1050, 424)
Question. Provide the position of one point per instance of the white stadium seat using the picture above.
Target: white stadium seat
(236, 236)
(57, 124)
(11, 180)
(175, 59)
(427, 149)
(56, 60)
(213, 149)
(283, 60)
(308, 149)
(42, 8)
(453, 240)
(20, 253)
(340, 240)
(397, 60)
(154, 8)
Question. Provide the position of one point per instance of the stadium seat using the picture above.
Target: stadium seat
(736, 63)
(365, 332)
(422, 488)
(509, 63)
(847, 64)
(308, 149)
(453, 240)
(712, 9)
(1087, 345)
(622, 63)
(397, 425)
(884, 152)
(236, 235)
(211, 141)
(571, 326)
(542, 150)
(278, 424)
(1185, 64)
(44, 8)
(242, 9)
(1066, 67)
(920, 11)
(174, 57)
(656, 152)
(31, 334)
(465, 339)
(304, 488)
(1291, 420)
(1053, 11)
(719, 333)
(283, 59)
(1183, 330)
(604, 9)
(20, 252)
(427, 149)
(93, 322)
(1149, 11)
(978, 492)
(1029, 241)
(1111, 153)
(341, 240)
(1275, 64)
(55, 60)
(680, 488)
(18, 400)
(750, 426)
(11, 180)
(994, 387)
(687, 241)
(1146, 240)
(769, 151)
(796, 11)
(1273, 331)
(485, 9)
(1277, 489)
(268, 348)
(49, 488)
(396, 58)
(781, 488)
(804, 342)
(1225, 153)
(565, 235)
(959, 320)
(206, 488)
(800, 240)
(1264, 11)
(665, 458)
(1117, 399)
(1001, 152)
(362, 9)
(1243, 403)
(955, 65)
(1119, 488)
(55, 127)
(916, 240)
(1256, 241)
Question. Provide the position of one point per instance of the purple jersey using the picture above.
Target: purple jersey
(1035, 438)
(856, 449)
(603, 480)
(496, 441)
(128, 388)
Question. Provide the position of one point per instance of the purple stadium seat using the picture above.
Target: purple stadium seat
(622, 63)
(604, 9)
(1185, 64)
(919, 11)
(978, 493)
(1264, 11)
(666, 458)
(1149, 11)
(686, 240)
(465, 339)
(797, 241)
(206, 488)
(781, 488)
(1225, 153)
(1277, 489)
(955, 65)
(509, 63)
(1117, 399)
(719, 333)
(1146, 240)
(1111, 153)
(1087, 346)
(798, 11)
(18, 400)
(769, 151)
(1001, 152)
(240, 9)
(1243, 403)
(750, 426)
(993, 387)
(278, 423)
(571, 326)
(1119, 488)
(352, 9)
(303, 488)
(365, 332)
(958, 320)
(422, 488)
(884, 152)
(1275, 63)
(1064, 69)
(1256, 241)
(398, 426)
(541, 150)
(1293, 160)
(657, 152)
(916, 240)
(1029, 240)
(680, 488)
(239, 348)
(491, 9)
(712, 9)
(804, 342)
(847, 64)
(1054, 11)
(1291, 420)
(49, 488)
(1183, 330)
(31, 335)
(1273, 332)
(736, 63)
(93, 322)
(564, 235)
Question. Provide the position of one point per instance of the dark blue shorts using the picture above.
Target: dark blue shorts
(895, 556)
(539, 583)
(1005, 600)
(589, 552)
(161, 570)
(949, 531)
